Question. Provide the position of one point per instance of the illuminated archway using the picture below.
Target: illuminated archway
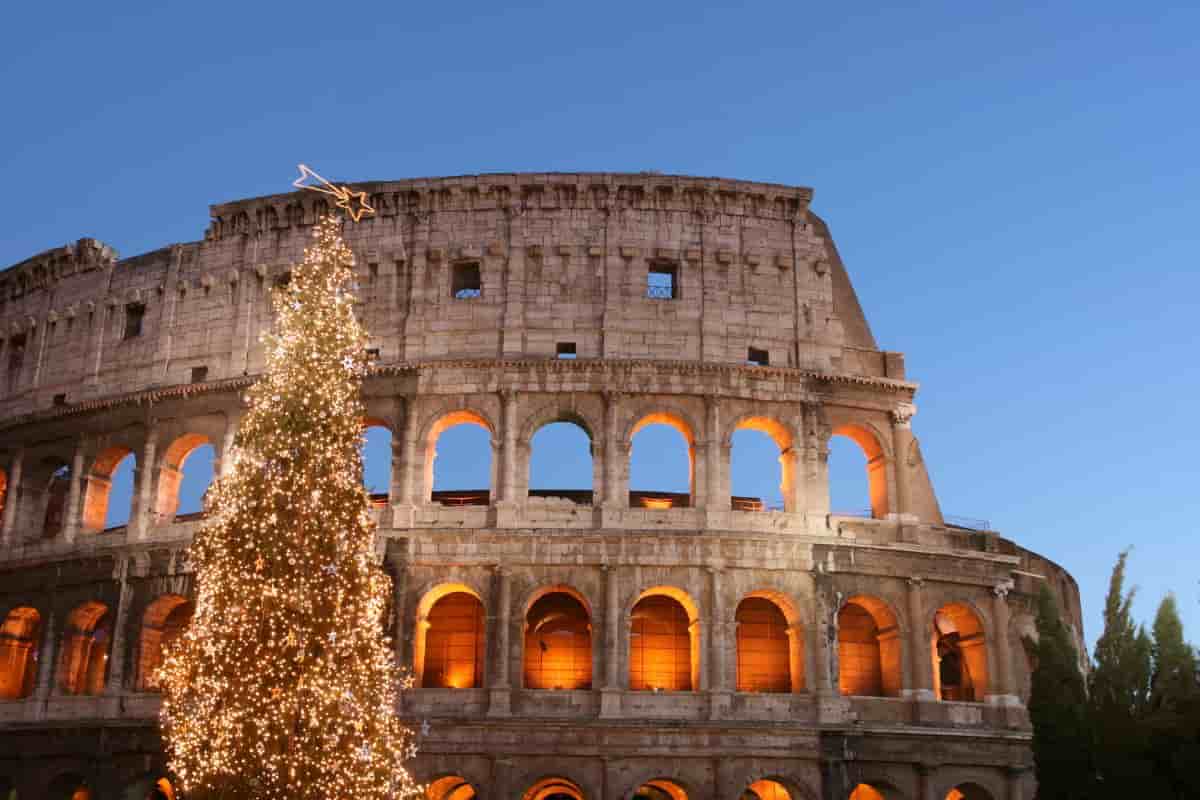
(459, 474)
(877, 465)
(162, 625)
(660, 789)
(97, 514)
(969, 791)
(83, 665)
(765, 645)
(869, 653)
(450, 787)
(450, 644)
(68, 787)
(865, 791)
(647, 472)
(959, 653)
(18, 652)
(664, 642)
(766, 789)
(558, 642)
(186, 468)
(554, 789)
(755, 439)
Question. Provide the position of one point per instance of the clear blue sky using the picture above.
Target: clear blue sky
(1012, 188)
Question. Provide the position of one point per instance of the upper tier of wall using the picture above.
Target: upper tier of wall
(562, 258)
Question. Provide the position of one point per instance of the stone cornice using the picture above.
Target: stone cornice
(611, 366)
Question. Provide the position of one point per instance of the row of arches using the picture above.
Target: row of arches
(455, 787)
(72, 786)
(559, 457)
(450, 645)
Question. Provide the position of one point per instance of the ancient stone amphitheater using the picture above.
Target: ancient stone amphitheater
(599, 643)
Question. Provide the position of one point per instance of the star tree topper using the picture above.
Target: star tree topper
(354, 203)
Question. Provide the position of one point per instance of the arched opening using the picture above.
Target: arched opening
(662, 464)
(664, 642)
(560, 461)
(83, 665)
(854, 451)
(865, 791)
(554, 789)
(450, 787)
(868, 649)
(458, 460)
(764, 649)
(377, 460)
(968, 791)
(162, 625)
(450, 645)
(761, 466)
(163, 790)
(68, 787)
(18, 652)
(558, 642)
(766, 789)
(959, 654)
(109, 497)
(186, 470)
(660, 789)
(55, 519)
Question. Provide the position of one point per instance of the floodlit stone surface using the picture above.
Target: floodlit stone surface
(709, 305)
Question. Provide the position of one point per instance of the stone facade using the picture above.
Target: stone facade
(471, 287)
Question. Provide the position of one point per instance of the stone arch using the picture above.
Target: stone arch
(170, 472)
(163, 623)
(19, 637)
(975, 787)
(439, 423)
(549, 414)
(83, 661)
(450, 787)
(99, 483)
(869, 648)
(783, 434)
(369, 464)
(661, 789)
(874, 446)
(458, 638)
(768, 780)
(774, 645)
(558, 645)
(959, 649)
(554, 788)
(69, 786)
(767, 789)
(674, 417)
(658, 662)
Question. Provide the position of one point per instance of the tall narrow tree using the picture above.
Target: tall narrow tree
(284, 685)
(1173, 718)
(1058, 709)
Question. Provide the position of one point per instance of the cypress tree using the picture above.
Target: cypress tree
(1062, 752)
(1173, 717)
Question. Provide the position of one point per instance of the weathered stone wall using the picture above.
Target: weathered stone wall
(563, 258)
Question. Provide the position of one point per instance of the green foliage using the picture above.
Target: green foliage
(1058, 709)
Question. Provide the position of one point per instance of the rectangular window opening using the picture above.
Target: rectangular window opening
(465, 281)
(134, 314)
(662, 282)
(199, 374)
(758, 358)
(372, 354)
(565, 350)
(60, 399)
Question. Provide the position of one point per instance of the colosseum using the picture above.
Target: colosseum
(601, 643)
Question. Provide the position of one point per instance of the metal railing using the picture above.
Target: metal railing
(660, 292)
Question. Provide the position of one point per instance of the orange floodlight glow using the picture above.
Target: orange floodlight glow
(656, 503)
(353, 203)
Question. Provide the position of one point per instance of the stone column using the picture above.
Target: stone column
(1015, 789)
(719, 650)
(919, 656)
(404, 467)
(75, 493)
(714, 466)
(1002, 689)
(500, 699)
(508, 447)
(611, 453)
(610, 692)
(143, 511)
(795, 635)
(224, 459)
(46, 656)
(901, 441)
(12, 496)
(116, 657)
(398, 560)
(925, 776)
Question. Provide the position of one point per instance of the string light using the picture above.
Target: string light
(284, 685)
(354, 203)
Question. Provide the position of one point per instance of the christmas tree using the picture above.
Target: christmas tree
(284, 685)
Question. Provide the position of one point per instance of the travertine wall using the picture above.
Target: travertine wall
(562, 258)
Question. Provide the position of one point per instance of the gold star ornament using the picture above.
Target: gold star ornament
(353, 203)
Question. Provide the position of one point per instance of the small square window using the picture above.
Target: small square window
(466, 283)
(60, 399)
(662, 282)
(199, 374)
(372, 354)
(758, 358)
(565, 350)
(134, 314)
(16, 353)
(283, 280)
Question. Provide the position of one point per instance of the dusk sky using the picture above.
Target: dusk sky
(1013, 191)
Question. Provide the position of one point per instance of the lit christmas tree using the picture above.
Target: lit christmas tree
(283, 685)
